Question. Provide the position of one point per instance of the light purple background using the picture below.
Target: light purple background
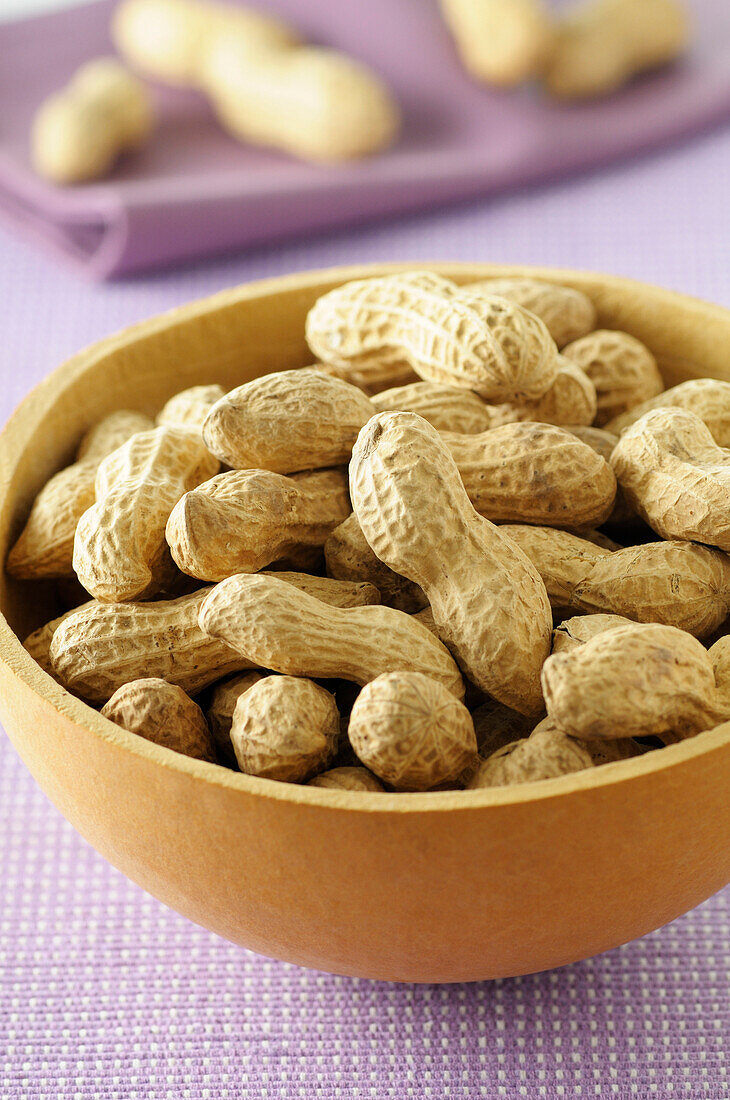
(105, 993)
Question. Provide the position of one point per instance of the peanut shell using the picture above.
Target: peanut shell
(162, 713)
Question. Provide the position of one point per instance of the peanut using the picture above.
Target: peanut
(288, 631)
(285, 728)
(219, 712)
(500, 41)
(102, 646)
(242, 520)
(411, 731)
(38, 643)
(533, 473)
(444, 332)
(622, 369)
(347, 779)
(634, 681)
(708, 398)
(80, 132)
(165, 38)
(603, 443)
(349, 557)
(162, 713)
(374, 377)
(568, 313)
(448, 408)
(546, 754)
(45, 545)
(672, 583)
(263, 85)
(189, 408)
(488, 600)
(120, 551)
(676, 477)
(314, 103)
(604, 43)
(287, 422)
(600, 752)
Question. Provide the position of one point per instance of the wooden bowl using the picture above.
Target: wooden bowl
(439, 887)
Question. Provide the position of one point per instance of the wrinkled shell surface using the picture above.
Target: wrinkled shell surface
(189, 408)
(285, 728)
(219, 712)
(448, 408)
(289, 421)
(708, 398)
(289, 631)
(242, 520)
(38, 644)
(672, 583)
(634, 681)
(603, 442)
(622, 369)
(443, 332)
(411, 731)
(571, 399)
(488, 600)
(546, 754)
(349, 557)
(568, 314)
(162, 713)
(501, 42)
(347, 779)
(372, 378)
(676, 476)
(533, 473)
(45, 546)
(119, 550)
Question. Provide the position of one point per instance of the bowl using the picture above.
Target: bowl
(435, 887)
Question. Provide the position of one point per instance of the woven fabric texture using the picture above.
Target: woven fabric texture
(104, 993)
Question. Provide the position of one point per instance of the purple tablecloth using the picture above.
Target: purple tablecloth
(194, 191)
(107, 994)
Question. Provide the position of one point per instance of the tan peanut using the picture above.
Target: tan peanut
(448, 408)
(285, 728)
(189, 408)
(288, 631)
(676, 477)
(488, 600)
(634, 681)
(347, 779)
(500, 41)
(571, 399)
(162, 713)
(80, 132)
(568, 313)
(444, 332)
(602, 44)
(288, 421)
(309, 101)
(672, 583)
(349, 557)
(411, 731)
(708, 398)
(600, 752)
(219, 712)
(581, 628)
(120, 551)
(102, 646)
(45, 545)
(242, 520)
(547, 753)
(38, 643)
(533, 473)
(165, 39)
(622, 369)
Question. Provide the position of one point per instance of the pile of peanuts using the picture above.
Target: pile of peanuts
(512, 580)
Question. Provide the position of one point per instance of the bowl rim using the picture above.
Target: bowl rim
(20, 664)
